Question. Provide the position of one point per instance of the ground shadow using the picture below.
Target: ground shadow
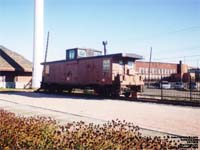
(64, 95)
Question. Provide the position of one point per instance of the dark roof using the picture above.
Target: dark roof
(12, 61)
(132, 55)
(124, 55)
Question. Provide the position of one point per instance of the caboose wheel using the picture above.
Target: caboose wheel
(127, 94)
(69, 90)
(115, 95)
(103, 91)
(51, 90)
(59, 90)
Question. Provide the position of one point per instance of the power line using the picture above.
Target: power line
(192, 28)
(193, 48)
(177, 57)
(185, 29)
(161, 35)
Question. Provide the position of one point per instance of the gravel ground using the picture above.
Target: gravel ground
(177, 120)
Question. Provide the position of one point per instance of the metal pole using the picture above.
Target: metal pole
(1, 77)
(181, 70)
(104, 44)
(38, 43)
(149, 67)
(161, 88)
(190, 88)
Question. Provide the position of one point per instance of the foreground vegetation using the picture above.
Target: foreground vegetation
(18, 133)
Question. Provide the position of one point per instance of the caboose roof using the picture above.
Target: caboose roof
(132, 55)
(119, 55)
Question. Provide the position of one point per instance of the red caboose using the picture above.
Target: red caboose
(112, 74)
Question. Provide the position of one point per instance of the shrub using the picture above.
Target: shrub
(24, 133)
(17, 132)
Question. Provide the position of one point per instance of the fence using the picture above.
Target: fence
(184, 91)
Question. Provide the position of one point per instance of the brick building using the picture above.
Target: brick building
(159, 70)
(15, 70)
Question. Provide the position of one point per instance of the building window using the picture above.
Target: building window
(146, 70)
(142, 70)
(162, 71)
(170, 71)
(155, 71)
(151, 70)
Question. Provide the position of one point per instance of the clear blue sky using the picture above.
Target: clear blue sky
(171, 27)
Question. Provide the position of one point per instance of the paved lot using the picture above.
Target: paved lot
(167, 118)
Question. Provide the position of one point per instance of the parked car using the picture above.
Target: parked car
(155, 85)
(179, 85)
(192, 85)
(165, 85)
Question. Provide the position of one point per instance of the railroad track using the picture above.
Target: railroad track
(142, 98)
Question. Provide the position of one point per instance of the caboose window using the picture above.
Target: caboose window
(121, 62)
(106, 65)
(71, 54)
(96, 53)
(46, 70)
(81, 53)
(130, 63)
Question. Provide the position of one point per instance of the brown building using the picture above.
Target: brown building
(159, 70)
(15, 70)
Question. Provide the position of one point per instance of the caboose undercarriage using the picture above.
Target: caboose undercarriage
(105, 90)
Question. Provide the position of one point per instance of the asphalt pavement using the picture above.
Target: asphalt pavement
(178, 120)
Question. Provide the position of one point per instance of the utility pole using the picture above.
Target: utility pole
(181, 70)
(47, 46)
(149, 71)
(45, 57)
(1, 78)
(104, 44)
